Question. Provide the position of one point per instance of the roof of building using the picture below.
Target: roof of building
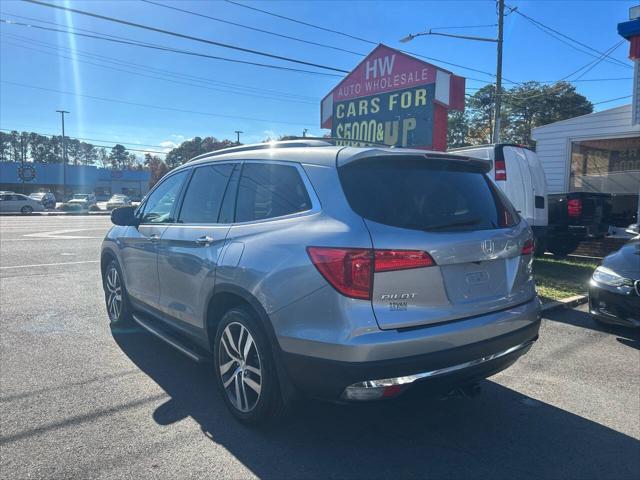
(621, 111)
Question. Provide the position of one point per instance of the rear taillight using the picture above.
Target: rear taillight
(574, 207)
(389, 260)
(350, 270)
(500, 170)
(528, 247)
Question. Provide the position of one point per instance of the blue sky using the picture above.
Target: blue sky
(259, 101)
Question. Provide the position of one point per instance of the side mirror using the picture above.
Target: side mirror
(125, 217)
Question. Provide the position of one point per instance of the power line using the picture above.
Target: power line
(171, 80)
(187, 37)
(234, 85)
(288, 37)
(464, 26)
(86, 139)
(603, 57)
(547, 29)
(365, 40)
(587, 68)
(590, 80)
(316, 43)
(145, 105)
(303, 23)
(98, 145)
(111, 38)
(612, 99)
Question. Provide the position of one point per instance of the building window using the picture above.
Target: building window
(607, 166)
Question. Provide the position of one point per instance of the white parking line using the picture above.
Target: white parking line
(59, 234)
(49, 264)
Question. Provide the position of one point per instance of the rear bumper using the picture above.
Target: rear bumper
(444, 367)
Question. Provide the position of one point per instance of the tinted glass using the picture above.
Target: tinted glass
(204, 194)
(270, 190)
(229, 203)
(424, 195)
(158, 206)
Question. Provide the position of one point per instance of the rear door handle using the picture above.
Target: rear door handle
(204, 240)
(154, 237)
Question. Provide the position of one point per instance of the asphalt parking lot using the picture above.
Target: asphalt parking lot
(78, 401)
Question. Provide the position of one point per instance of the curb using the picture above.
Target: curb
(565, 302)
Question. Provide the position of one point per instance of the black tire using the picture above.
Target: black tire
(26, 210)
(118, 309)
(250, 407)
(540, 246)
(562, 247)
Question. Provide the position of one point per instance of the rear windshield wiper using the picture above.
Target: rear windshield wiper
(457, 223)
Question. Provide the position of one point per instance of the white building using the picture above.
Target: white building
(599, 152)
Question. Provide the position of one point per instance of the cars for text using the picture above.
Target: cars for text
(342, 273)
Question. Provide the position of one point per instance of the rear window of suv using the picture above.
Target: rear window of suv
(425, 194)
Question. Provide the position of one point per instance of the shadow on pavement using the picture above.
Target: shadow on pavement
(499, 434)
(579, 318)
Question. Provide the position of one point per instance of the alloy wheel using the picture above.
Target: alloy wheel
(114, 294)
(240, 367)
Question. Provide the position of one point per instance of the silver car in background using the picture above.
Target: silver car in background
(117, 201)
(342, 273)
(11, 202)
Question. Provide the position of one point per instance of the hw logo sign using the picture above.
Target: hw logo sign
(379, 67)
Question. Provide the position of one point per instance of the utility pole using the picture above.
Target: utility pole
(304, 132)
(495, 135)
(23, 151)
(238, 132)
(64, 157)
(498, 103)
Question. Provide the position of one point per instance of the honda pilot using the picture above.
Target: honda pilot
(342, 273)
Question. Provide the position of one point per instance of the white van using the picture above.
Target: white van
(519, 174)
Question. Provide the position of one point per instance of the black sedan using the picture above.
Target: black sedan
(614, 290)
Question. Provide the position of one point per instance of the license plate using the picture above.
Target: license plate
(477, 278)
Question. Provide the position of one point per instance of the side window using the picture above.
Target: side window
(158, 206)
(270, 190)
(229, 203)
(204, 194)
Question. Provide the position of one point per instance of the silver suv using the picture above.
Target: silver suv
(339, 272)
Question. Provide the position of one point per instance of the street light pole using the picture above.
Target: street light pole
(238, 132)
(64, 156)
(498, 104)
(495, 135)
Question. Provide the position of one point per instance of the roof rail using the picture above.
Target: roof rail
(290, 142)
(308, 142)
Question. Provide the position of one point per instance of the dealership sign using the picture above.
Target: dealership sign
(395, 99)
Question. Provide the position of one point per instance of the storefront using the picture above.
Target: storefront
(104, 182)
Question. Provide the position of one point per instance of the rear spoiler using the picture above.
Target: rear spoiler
(344, 157)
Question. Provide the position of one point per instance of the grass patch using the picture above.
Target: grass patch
(557, 279)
